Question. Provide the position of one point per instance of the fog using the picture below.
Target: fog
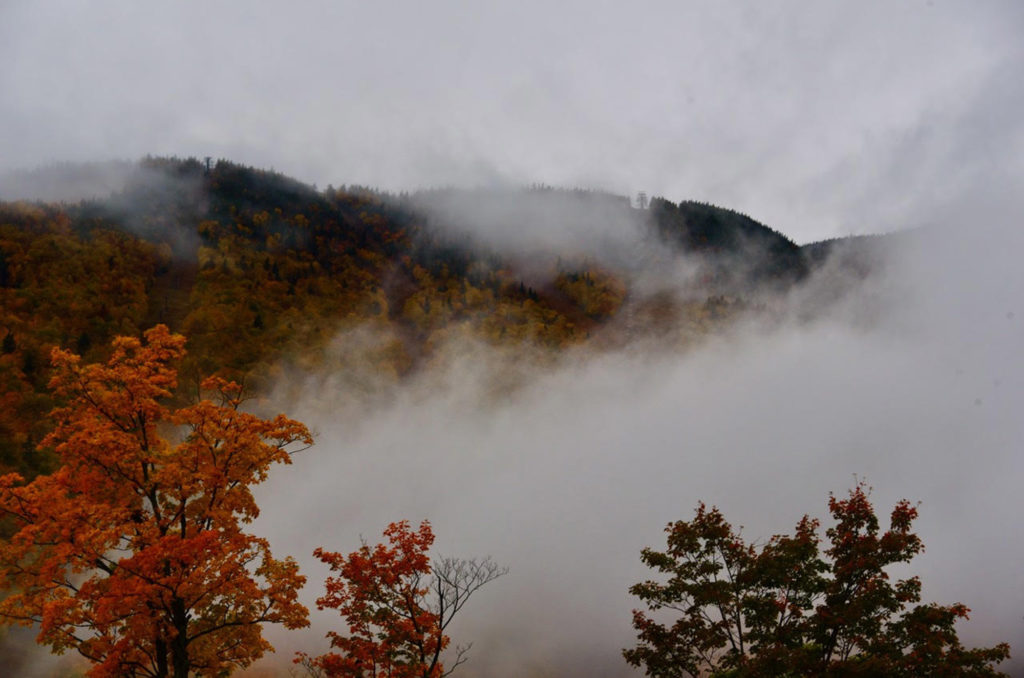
(66, 182)
(818, 120)
(912, 382)
(538, 224)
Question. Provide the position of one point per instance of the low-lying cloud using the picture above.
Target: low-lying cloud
(914, 383)
(538, 223)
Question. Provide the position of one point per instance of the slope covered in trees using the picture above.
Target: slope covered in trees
(262, 271)
(742, 251)
(255, 267)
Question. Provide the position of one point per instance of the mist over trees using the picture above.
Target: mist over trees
(267, 276)
(256, 268)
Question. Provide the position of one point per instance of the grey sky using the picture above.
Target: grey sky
(819, 119)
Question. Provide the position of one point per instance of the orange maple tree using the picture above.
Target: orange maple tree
(133, 552)
(397, 607)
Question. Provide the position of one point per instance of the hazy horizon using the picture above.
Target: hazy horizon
(858, 117)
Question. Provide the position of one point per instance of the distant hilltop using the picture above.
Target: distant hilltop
(256, 269)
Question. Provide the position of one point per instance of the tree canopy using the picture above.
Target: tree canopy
(397, 607)
(133, 552)
(785, 608)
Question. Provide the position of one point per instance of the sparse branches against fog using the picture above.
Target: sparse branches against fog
(397, 607)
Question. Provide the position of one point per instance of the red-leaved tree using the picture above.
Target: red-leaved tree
(397, 607)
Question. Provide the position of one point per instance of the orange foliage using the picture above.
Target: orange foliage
(132, 553)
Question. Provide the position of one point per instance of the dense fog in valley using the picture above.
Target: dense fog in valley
(903, 371)
(912, 382)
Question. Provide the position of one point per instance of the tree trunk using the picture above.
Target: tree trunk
(161, 658)
(179, 645)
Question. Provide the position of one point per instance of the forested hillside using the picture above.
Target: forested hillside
(136, 456)
(256, 268)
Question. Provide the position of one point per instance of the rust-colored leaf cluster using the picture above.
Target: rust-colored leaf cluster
(397, 607)
(133, 552)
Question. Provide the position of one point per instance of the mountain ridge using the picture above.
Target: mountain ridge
(255, 267)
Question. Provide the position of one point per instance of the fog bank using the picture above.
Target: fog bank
(567, 477)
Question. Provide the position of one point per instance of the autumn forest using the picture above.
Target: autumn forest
(142, 332)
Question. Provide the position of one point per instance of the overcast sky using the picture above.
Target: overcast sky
(820, 119)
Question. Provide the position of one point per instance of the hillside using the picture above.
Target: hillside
(258, 270)
(742, 251)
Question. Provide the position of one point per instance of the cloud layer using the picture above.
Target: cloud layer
(914, 383)
(820, 121)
